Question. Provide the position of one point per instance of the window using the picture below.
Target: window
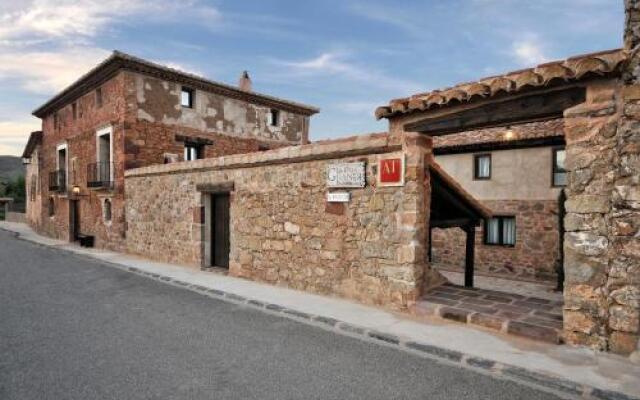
(51, 207)
(482, 166)
(74, 111)
(559, 177)
(193, 151)
(56, 121)
(32, 189)
(103, 173)
(186, 97)
(500, 231)
(273, 117)
(107, 210)
(98, 97)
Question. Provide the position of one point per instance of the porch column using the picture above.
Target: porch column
(469, 255)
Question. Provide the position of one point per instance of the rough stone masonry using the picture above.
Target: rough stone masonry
(602, 246)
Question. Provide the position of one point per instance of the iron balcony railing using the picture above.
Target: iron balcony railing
(58, 181)
(99, 175)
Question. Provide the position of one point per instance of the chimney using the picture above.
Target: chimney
(245, 82)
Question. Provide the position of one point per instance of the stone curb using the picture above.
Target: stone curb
(547, 382)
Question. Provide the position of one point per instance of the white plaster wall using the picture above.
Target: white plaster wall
(519, 174)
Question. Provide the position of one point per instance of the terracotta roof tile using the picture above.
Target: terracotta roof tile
(571, 69)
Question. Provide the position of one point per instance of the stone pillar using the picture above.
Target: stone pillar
(602, 245)
(623, 284)
(415, 217)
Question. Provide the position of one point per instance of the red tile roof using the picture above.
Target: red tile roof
(572, 69)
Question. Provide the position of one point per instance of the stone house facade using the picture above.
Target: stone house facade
(128, 113)
(519, 184)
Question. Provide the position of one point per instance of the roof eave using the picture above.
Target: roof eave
(121, 61)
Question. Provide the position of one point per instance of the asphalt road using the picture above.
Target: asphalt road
(71, 328)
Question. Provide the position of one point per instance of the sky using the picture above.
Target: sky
(346, 57)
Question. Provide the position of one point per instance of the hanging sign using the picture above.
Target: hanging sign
(346, 175)
(391, 170)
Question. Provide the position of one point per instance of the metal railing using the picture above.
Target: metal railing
(58, 181)
(99, 175)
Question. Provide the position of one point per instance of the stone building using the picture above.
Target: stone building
(518, 172)
(353, 217)
(128, 113)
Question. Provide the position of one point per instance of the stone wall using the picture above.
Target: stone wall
(16, 217)
(283, 231)
(535, 255)
(601, 244)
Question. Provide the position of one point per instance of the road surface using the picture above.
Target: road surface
(73, 328)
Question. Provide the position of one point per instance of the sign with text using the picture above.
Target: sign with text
(346, 175)
(338, 197)
(391, 170)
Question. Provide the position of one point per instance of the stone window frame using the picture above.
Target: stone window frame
(555, 169)
(63, 146)
(500, 242)
(476, 158)
(100, 132)
(191, 96)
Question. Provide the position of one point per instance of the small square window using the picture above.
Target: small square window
(500, 231)
(559, 178)
(273, 117)
(186, 97)
(482, 166)
(98, 97)
(193, 151)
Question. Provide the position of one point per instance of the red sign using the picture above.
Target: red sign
(391, 171)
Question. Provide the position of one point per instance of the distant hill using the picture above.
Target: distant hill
(10, 168)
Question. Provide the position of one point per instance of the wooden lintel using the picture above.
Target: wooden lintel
(225, 187)
(533, 107)
(454, 223)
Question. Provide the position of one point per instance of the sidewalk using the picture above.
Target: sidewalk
(571, 372)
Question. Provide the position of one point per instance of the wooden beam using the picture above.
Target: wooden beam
(469, 260)
(453, 223)
(499, 145)
(534, 107)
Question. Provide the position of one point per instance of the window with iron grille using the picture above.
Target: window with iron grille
(500, 231)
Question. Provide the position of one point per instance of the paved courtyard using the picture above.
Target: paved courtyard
(74, 329)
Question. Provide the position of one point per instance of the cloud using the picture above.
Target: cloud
(75, 20)
(529, 52)
(46, 72)
(336, 65)
(14, 135)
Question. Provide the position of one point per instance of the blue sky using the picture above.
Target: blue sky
(347, 57)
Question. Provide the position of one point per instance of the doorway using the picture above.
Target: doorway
(74, 220)
(219, 225)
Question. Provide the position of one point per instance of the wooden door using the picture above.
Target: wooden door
(74, 219)
(220, 230)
